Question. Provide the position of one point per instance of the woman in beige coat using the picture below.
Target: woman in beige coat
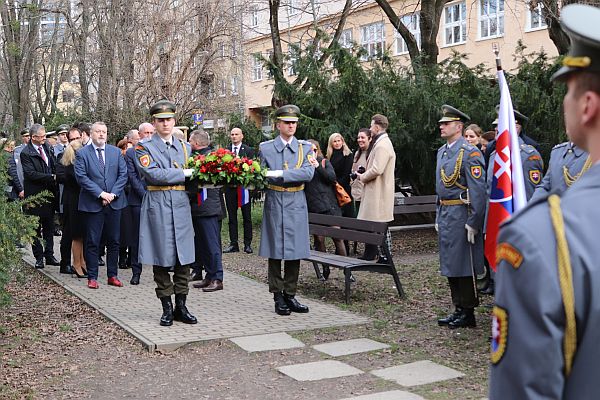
(363, 139)
(377, 202)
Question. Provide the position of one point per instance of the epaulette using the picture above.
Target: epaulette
(527, 148)
(560, 145)
(140, 147)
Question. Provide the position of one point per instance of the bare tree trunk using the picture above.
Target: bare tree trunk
(277, 56)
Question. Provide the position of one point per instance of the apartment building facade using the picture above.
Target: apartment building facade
(466, 26)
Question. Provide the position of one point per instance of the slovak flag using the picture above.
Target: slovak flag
(202, 195)
(243, 196)
(508, 186)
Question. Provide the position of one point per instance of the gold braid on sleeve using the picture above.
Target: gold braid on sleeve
(452, 180)
(570, 179)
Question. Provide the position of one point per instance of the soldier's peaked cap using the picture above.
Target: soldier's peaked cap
(289, 113)
(450, 114)
(519, 117)
(163, 109)
(580, 22)
(64, 128)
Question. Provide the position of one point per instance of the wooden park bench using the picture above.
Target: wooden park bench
(413, 205)
(344, 228)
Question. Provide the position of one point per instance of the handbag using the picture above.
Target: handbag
(342, 197)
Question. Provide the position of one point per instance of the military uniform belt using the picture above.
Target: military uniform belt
(172, 187)
(452, 202)
(286, 189)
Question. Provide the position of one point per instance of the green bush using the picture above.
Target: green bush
(15, 227)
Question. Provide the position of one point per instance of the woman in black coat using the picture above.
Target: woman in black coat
(341, 157)
(321, 198)
(73, 226)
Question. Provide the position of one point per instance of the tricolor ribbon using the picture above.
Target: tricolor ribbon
(202, 195)
(243, 196)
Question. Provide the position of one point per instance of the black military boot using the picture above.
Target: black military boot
(465, 320)
(490, 289)
(451, 317)
(294, 305)
(281, 306)
(181, 312)
(166, 318)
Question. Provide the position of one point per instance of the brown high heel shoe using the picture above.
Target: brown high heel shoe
(79, 272)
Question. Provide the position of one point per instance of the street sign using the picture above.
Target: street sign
(198, 116)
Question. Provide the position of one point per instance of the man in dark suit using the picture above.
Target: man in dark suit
(137, 189)
(233, 200)
(39, 174)
(101, 172)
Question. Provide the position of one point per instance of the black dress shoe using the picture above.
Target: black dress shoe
(231, 249)
(465, 320)
(101, 262)
(202, 284)
(181, 312)
(39, 263)
(248, 249)
(489, 289)
(166, 319)
(294, 305)
(326, 272)
(51, 260)
(281, 306)
(450, 318)
(135, 279)
(66, 269)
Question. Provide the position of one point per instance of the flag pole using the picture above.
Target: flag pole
(497, 54)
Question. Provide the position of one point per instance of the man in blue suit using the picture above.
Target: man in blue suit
(101, 172)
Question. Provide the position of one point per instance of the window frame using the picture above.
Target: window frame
(257, 67)
(461, 23)
(539, 10)
(376, 42)
(498, 17)
(343, 41)
(253, 16)
(416, 31)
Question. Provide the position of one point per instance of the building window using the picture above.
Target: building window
(411, 21)
(372, 38)
(293, 56)
(257, 67)
(346, 39)
(222, 49)
(455, 24)
(235, 83)
(292, 7)
(234, 46)
(222, 88)
(491, 18)
(253, 16)
(536, 17)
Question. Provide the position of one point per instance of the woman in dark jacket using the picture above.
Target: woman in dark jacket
(340, 156)
(73, 228)
(320, 197)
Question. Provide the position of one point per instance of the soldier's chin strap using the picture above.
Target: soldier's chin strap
(565, 277)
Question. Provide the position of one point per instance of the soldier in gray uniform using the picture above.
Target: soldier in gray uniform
(567, 163)
(166, 233)
(460, 186)
(546, 321)
(284, 231)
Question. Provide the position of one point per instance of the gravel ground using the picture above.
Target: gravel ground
(54, 347)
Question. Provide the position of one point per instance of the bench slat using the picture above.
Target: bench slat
(429, 199)
(347, 234)
(415, 208)
(345, 222)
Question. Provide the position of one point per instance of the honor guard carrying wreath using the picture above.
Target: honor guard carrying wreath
(284, 231)
(460, 186)
(166, 232)
(546, 318)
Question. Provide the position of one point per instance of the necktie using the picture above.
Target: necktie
(235, 150)
(42, 154)
(101, 158)
(168, 145)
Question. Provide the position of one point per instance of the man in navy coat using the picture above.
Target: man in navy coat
(101, 172)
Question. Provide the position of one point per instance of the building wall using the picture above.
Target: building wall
(478, 47)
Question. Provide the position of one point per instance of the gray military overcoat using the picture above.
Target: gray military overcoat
(284, 230)
(563, 155)
(166, 231)
(455, 258)
(529, 317)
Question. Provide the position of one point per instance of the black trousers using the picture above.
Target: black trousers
(463, 292)
(289, 281)
(134, 247)
(66, 241)
(45, 231)
(231, 202)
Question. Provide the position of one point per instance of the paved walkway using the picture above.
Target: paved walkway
(244, 307)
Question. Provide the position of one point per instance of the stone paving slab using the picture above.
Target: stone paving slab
(315, 371)
(417, 373)
(352, 346)
(273, 341)
(392, 395)
(244, 307)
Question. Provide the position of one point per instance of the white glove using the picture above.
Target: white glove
(275, 173)
(437, 228)
(471, 232)
(187, 172)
